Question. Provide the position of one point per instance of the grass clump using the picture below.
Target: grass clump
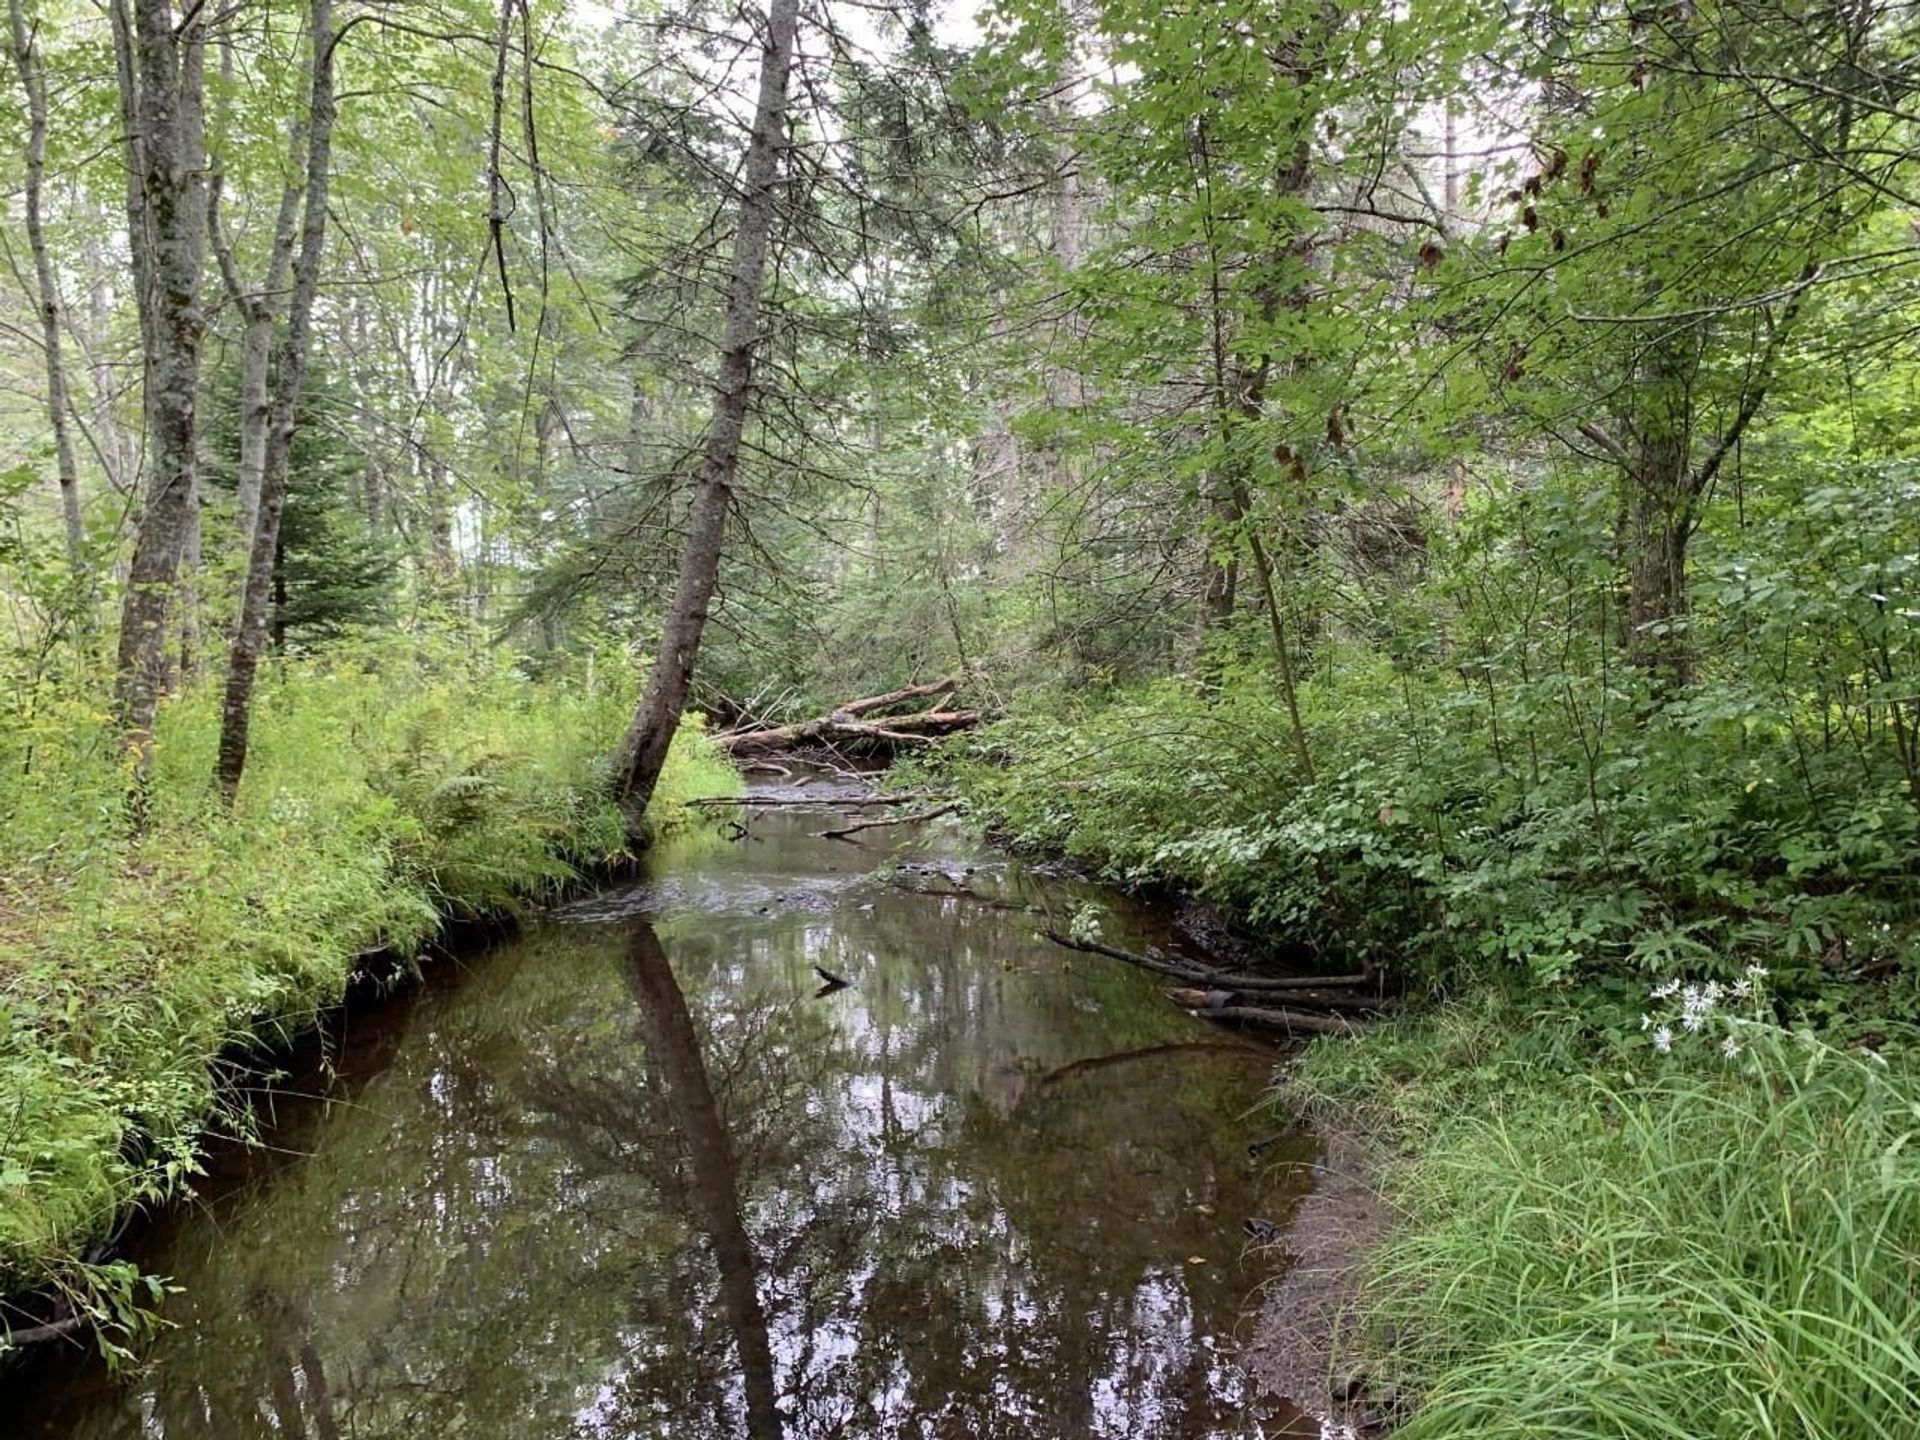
(391, 785)
(1596, 1238)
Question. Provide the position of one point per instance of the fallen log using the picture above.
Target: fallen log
(899, 697)
(845, 832)
(898, 731)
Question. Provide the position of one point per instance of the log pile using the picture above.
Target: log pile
(864, 722)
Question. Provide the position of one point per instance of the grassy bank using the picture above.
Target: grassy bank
(1598, 1239)
(389, 788)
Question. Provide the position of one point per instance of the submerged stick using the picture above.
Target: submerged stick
(1288, 1022)
(846, 831)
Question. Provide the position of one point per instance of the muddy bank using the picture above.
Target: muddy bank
(1296, 1338)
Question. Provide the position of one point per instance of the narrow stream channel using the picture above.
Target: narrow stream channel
(631, 1175)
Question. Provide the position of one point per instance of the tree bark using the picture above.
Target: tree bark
(644, 753)
(250, 629)
(33, 82)
(168, 208)
(1659, 514)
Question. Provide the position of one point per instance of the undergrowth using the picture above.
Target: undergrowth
(1598, 1239)
(390, 786)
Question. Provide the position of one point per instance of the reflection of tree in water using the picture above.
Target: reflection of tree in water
(546, 1215)
(927, 1265)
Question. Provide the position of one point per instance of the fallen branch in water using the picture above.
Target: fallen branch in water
(1301, 989)
(846, 831)
(1155, 1052)
(1288, 1022)
(974, 897)
(1217, 996)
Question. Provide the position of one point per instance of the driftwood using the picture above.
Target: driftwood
(847, 831)
(849, 722)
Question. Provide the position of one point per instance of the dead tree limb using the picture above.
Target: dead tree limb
(1210, 978)
(898, 697)
(845, 832)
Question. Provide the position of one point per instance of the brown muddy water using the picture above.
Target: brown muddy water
(630, 1174)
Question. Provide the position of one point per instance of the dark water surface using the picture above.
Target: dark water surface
(628, 1175)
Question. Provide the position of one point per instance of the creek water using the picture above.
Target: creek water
(631, 1174)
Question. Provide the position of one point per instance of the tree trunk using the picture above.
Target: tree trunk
(34, 83)
(249, 631)
(165, 72)
(256, 344)
(644, 752)
(1659, 517)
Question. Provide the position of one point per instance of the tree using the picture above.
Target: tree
(161, 74)
(250, 626)
(33, 84)
(644, 751)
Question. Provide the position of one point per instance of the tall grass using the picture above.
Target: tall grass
(1637, 1246)
(389, 786)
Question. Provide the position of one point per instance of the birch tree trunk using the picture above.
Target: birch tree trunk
(166, 202)
(259, 307)
(250, 629)
(33, 82)
(644, 753)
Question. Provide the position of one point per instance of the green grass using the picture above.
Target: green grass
(1598, 1241)
(389, 788)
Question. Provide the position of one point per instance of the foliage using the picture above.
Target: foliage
(1500, 794)
(395, 783)
(1597, 1240)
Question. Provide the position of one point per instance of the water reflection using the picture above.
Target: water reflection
(630, 1177)
(675, 1051)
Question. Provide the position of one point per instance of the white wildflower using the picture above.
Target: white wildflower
(1692, 1021)
(1666, 988)
(1741, 989)
(1646, 1022)
(1663, 1039)
(1756, 972)
(1730, 1047)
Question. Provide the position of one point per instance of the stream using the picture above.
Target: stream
(636, 1172)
